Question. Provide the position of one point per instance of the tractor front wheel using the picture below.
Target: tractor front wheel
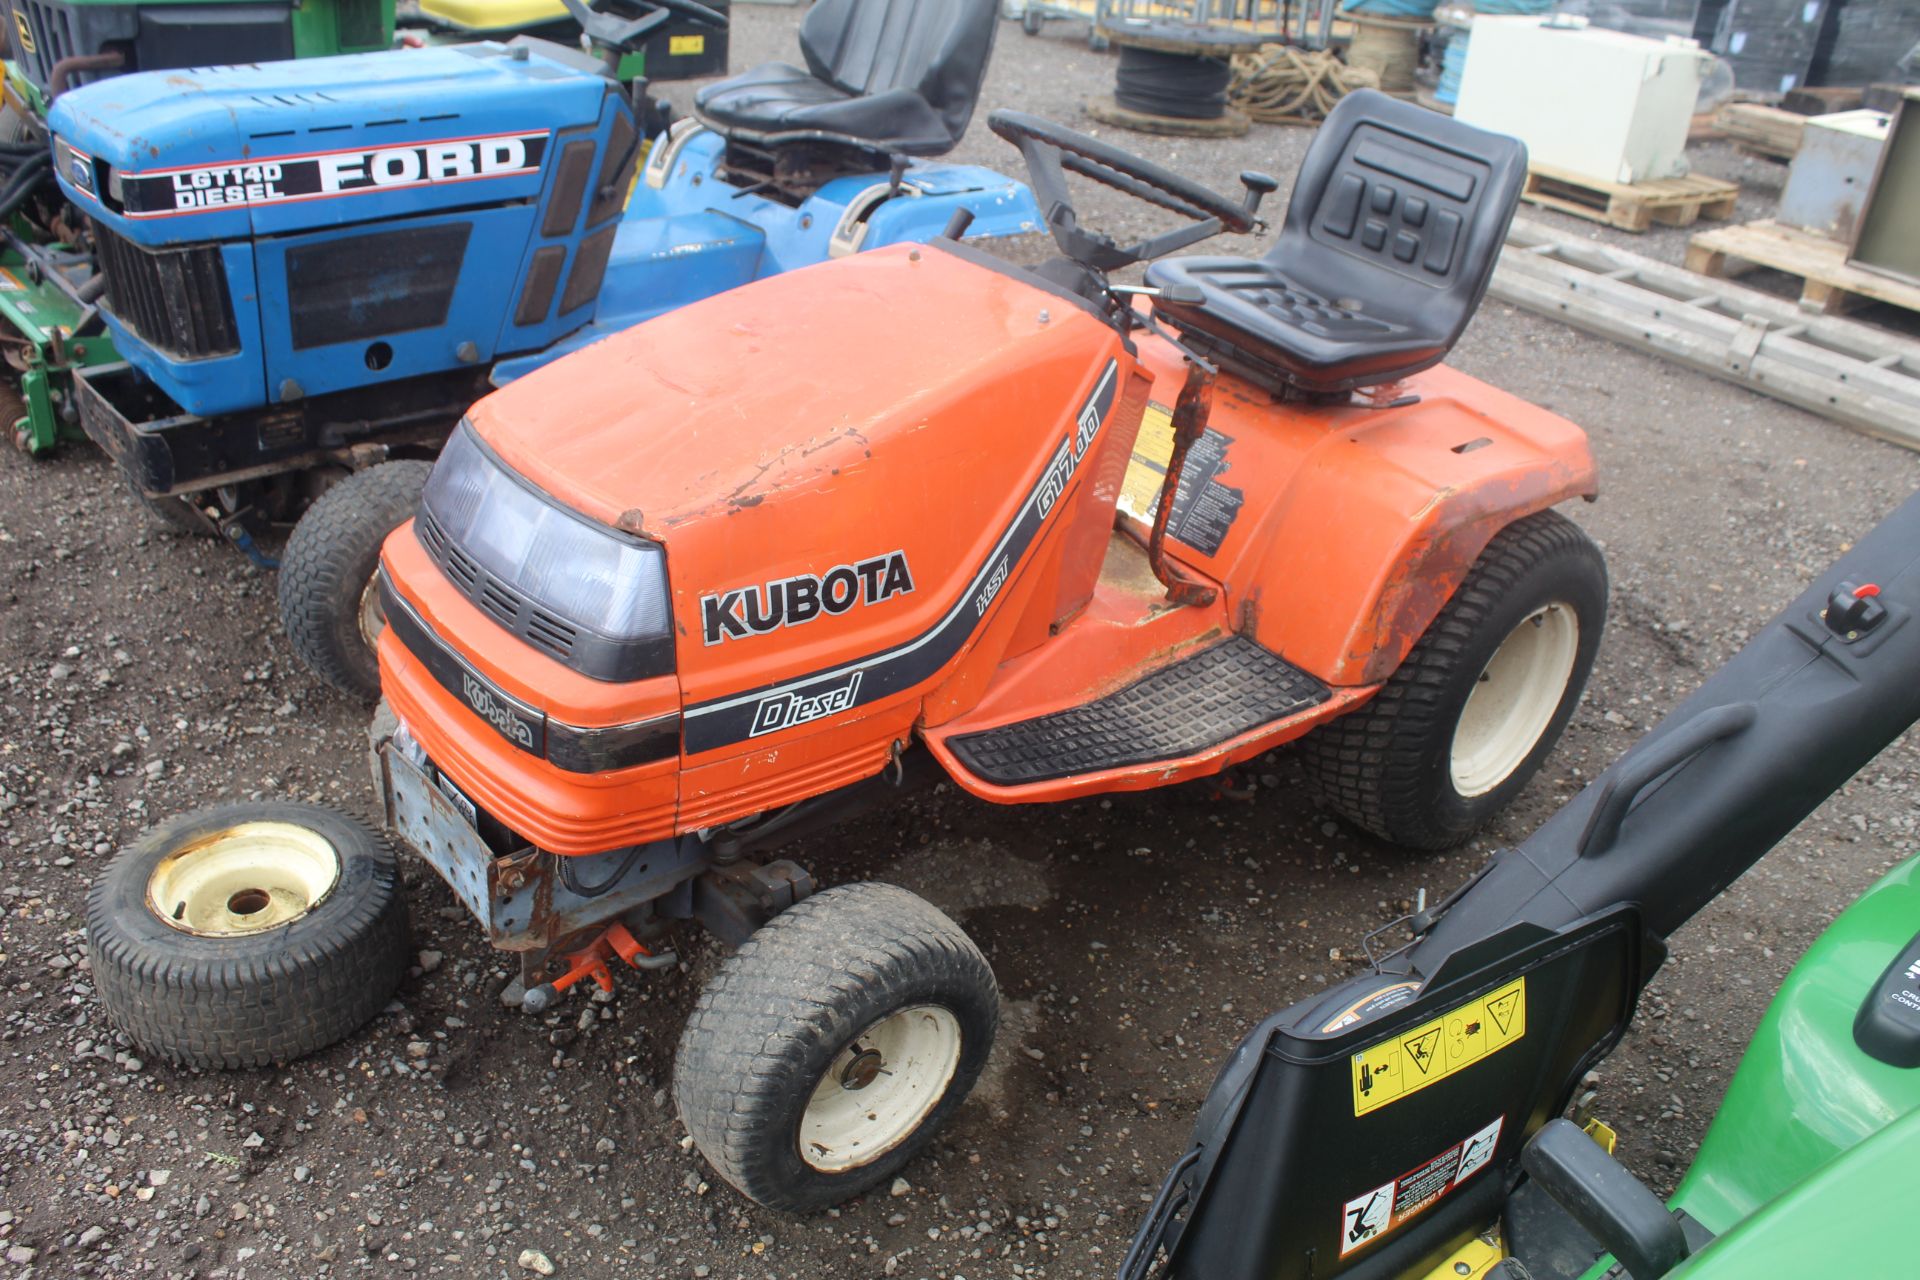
(329, 600)
(1469, 717)
(832, 1046)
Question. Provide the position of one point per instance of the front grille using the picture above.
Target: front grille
(54, 37)
(175, 300)
(499, 600)
(565, 746)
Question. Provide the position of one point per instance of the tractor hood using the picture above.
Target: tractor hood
(225, 152)
(876, 433)
(816, 378)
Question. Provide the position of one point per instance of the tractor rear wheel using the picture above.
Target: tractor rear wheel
(248, 934)
(329, 600)
(831, 1047)
(1460, 728)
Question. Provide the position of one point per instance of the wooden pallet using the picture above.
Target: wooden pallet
(1830, 283)
(1671, 202)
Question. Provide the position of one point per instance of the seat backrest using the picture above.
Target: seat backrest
(937, 49)
(1391, 195)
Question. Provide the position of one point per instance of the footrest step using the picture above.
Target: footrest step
(1199, 702)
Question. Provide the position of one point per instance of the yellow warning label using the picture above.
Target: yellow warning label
(1147, 471)
(682, 46)
(1435, 1050)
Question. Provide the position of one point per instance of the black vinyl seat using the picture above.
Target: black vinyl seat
(1396, 220)
(887, 75)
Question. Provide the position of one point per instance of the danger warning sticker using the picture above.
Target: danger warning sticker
(1435, 1050)
(1368, 1217)
(1204, 509)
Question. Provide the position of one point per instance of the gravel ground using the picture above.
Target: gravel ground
(1135, 937)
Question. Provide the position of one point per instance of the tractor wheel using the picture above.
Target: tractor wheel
(247, 935)
(830, 1048)
(1474, 710)
(329, 601)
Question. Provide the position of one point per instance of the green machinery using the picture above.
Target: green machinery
(1407, 1123)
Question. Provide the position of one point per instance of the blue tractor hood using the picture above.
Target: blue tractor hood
(226, 152)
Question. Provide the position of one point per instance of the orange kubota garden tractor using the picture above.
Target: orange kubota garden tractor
(671, 600)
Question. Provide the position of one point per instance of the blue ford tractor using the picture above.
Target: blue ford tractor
(310, 269)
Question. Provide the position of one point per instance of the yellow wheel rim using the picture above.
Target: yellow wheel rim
(244, 879)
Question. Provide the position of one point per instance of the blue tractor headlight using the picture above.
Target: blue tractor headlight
(592, 596)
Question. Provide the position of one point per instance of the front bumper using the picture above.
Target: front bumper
(568, 747)
(522, 898)
(167, 450)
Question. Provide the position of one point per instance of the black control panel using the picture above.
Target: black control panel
(1888, 1024)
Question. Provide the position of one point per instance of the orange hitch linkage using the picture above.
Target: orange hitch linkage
(595, 961)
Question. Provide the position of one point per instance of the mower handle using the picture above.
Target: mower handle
(1641, 768)
(1051, 151)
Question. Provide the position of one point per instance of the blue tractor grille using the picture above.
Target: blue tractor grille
(174, 300)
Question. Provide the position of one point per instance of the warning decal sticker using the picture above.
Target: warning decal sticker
(1203, 508)
(1435, 1050)
(1368, 1217)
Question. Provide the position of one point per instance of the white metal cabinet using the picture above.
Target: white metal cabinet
(1602, 104)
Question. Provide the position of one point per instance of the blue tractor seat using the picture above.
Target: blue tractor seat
(1396, 221)
(882, 75)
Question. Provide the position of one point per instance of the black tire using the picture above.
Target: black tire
(1030, 22)
(171, 514)
(328, 567)
(1388, 767)
(256, 999)
(814, 980)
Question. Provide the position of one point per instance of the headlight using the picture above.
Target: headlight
(591, 596)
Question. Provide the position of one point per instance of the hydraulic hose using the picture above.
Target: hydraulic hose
(21, 184)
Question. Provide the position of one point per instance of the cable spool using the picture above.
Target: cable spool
(1172, 78)
(1388, 47)
(1184, 86)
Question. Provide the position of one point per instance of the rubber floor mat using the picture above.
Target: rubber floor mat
(1199, 702)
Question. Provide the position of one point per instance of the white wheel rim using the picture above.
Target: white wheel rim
(244, 879)
(1514, 700)
(880, 1088)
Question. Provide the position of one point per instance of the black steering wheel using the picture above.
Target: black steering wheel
(623, 35)
(1052, 150)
